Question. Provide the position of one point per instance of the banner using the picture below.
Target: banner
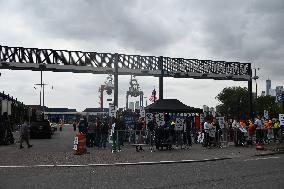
(112, 110)
(221, 121)
(281, 119)
(160, 119)
(149, 117)
(179, 124)
(129, 121)
(265, 114)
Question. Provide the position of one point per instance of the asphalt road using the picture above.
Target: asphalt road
(257, 172)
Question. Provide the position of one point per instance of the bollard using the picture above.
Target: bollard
(80, 144)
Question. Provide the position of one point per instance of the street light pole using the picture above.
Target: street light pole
(255, 78)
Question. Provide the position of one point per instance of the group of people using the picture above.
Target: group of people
(96, 131)
(212, 132)
(243, 132)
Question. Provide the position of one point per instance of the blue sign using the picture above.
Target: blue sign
(129, 122)
(279, 98)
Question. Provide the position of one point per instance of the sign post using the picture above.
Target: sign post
(265, 114)
(281, 119)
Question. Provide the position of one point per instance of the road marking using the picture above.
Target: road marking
(114, 164)
(262, 158)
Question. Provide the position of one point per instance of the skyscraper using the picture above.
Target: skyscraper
(268, 86)
(279, 90)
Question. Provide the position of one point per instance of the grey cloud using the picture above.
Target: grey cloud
(132, 24)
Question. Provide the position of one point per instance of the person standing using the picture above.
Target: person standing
(206, 128)
(276, 128)
(104, 132)
(74, 125)
(98, 132)
(91, 133)
(83, 126)
(259, 127)
(24, 135)
(187, 132)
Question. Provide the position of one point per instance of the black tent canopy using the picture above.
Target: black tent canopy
(171, 106)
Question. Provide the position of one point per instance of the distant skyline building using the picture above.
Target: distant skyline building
(205, 108)
(279, 90)
(268, 86)
(272, 92)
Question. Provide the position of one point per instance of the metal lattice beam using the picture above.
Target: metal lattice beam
(103, 63)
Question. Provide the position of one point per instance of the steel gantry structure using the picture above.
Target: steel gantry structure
(20, 58)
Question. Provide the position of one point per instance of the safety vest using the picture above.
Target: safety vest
(276, 125)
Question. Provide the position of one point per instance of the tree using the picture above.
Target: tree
(267, 103)
(234, 102)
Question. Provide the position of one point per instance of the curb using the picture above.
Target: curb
(268, 154)
(118, 164)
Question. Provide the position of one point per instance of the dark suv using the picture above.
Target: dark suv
(40, 129)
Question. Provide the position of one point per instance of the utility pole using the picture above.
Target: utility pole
(42, 87)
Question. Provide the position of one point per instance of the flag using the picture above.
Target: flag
(152, 98)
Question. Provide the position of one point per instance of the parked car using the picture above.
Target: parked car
(53, 127)
(40, 129)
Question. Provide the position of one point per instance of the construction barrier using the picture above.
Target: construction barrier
(80, 144)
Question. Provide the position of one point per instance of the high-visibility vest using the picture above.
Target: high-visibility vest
(276, 125)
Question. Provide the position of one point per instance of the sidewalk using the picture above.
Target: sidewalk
(11, 155)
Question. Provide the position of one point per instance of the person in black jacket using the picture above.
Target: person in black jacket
(104, 131)
(187, 132)
(83, 126)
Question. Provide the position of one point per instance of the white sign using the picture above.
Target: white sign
(76, 141)
(75, 147)
(221, 121)
(265, 114)
(149, 117)
(112, 111)
(202, 118)
(142, 113)
(179, 124)
(160, 119)
(281, 119)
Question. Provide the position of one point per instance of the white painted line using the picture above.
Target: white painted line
(103, 164)
(147, 162)
(14, 166)
(261, 158)
(188, 160)
(123, 164)
(43, 165)
(114, 164)
(70, 165)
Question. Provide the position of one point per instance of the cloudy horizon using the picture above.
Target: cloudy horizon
(241, 31)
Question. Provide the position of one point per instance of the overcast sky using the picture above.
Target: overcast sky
(242, 30)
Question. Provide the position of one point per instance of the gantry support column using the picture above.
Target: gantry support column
(115, 100)
(250, 93)
(161, 78)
